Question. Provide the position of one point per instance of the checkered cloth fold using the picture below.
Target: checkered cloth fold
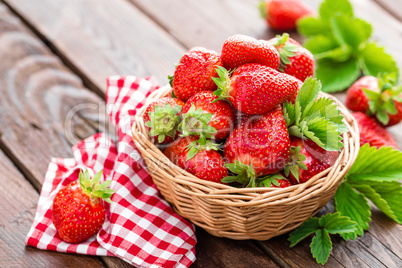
(141, 228)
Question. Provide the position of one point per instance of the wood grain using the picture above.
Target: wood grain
(394, 7)
(102, 38)
(36, 99)
(18, 206)
(38, 95)
(221, 252)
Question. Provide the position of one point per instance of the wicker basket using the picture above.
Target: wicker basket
(236, 213)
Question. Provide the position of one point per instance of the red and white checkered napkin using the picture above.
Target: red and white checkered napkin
(141, 227)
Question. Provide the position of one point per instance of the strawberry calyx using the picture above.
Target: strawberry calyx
(382, 103)
(200, 144)
(286, 50)
(262, 7)
(170, 78)
(223, 83)
(195, 122)
(295, 162)
(269, 180)
(164, 121)
(93, 188)
(246, 175)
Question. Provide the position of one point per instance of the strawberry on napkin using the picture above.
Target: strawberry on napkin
(140, 227)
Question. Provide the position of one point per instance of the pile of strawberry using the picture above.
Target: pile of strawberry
(377, 104)
(245, 117)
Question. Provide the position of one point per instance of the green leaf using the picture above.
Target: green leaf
(289, 113)
(386, 195)
(337, 224)
(384, 164)
(308, 92)
(355, 206)
(350, 31)
(327, 132)
(336, 76)
(374, 60)
(96, 179)
(311, 26)
(320, 43)
(307, 228)
(321, 246)
(330, 8)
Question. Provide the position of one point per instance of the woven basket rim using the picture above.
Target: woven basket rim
(231, 196)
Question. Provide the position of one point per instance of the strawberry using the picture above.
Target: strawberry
(282, 15)
(373, 133)
(254, 88)
(194, 72)
(222, 115)
(176, 148)
(78, 211)
(162, 118)
(241, 49)
(295, 59)
(257, 147)
(307, 159)
(379, 97)
(201, 158)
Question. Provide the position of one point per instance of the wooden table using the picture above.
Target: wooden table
(56, 54)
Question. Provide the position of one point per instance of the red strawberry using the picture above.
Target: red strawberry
(202, 160)
(373, 133)
(307, 159)
(241, 49)
(258, 147)
(379, 97)
(254, 88)
(295, 59)
(162, 118)
(293, 98)
(176, 148)
(222, 119)
(78, 211)
(194, 72)
(282, 15)
(283, 183)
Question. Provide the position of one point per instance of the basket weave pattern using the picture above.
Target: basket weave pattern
(243, 213)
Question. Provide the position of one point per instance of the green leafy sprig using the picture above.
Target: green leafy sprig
(341, 46)
(92, 187)
(317, 119)
(375, 175)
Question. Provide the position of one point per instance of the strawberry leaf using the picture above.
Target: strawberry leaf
(374, 60)
(355, 206)
(336, 76)
(330, 8)
(308, 92)
(350, 31)
(311, 26)
(379, 165)
(320, 44)
(385, 195)
(307, 228)
(321, 246)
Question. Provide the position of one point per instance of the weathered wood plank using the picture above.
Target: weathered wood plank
(33, 123)
(213, 252)
(102, 38)
(394, 7)
(38, 95)
(18, 206)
